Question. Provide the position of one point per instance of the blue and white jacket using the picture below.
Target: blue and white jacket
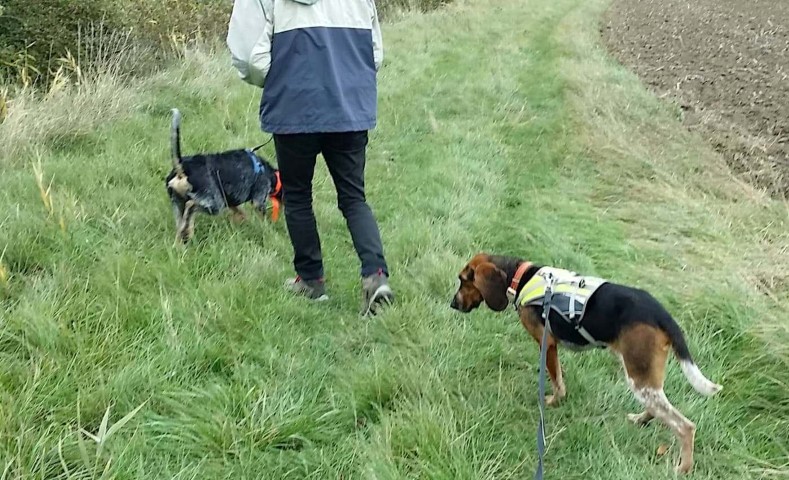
(316, 61)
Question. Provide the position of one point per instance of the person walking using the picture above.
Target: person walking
(317, 63)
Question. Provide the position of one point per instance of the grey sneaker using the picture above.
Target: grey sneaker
(376, 293)
(312, 289)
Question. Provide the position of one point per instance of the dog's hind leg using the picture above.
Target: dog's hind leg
(178, 213)
(179, 204)
(657, 404)
(643, 350)
(186, 228)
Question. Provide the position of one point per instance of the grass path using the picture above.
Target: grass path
(503, 127)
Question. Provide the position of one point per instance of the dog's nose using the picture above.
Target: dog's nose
(454, 304)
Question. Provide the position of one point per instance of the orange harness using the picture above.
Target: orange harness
(275, 194)
(275, 198)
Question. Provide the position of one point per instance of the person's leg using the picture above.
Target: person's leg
(296, 156)
(345, 155)
(345, 158)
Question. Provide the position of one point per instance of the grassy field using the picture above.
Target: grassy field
(503, 127)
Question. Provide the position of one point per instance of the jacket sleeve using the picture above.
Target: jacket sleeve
(378, 42)
(249, 39)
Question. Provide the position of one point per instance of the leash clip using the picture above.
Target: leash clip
(550, 283)
(511, 293)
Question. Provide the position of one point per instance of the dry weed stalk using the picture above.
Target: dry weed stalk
(45, 192)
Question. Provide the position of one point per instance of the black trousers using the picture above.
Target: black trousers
(345, 155)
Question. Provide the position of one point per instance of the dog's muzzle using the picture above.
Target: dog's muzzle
(454, 304)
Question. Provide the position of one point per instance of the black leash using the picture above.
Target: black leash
(546, 310)
(263, 145)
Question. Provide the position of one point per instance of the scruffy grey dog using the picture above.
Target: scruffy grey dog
(212, 182)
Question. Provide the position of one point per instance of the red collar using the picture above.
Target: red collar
(512, 292)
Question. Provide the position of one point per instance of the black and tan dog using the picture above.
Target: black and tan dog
(628, 321)
(212, 182)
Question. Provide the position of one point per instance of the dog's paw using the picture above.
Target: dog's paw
(183, 237)
(559, 392)
(552, 400)
(684, 468)
(634, 418)
(639, 419)
(238, 215)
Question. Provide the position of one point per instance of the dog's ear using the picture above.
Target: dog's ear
(492, 284)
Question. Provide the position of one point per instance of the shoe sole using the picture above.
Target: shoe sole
(304, 295)
(383, 295)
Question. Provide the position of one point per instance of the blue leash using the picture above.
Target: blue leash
(546, 309)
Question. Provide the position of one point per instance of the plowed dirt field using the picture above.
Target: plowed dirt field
(726, 63)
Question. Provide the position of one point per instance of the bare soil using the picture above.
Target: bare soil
(726, 63)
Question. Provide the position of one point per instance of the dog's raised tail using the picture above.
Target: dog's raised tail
(175, 141)
(700, 383)
(697, 380)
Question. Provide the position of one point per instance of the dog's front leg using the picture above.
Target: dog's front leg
(238, 215)
(555, 371)
(260, 201)
(261, 208)
(530, 319)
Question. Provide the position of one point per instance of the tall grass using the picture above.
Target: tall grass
(35, 36)
(88, 87)
(82, 94)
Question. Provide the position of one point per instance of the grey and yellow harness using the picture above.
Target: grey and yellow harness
(571, 294)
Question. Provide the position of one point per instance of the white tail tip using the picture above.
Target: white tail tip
(697, 379)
